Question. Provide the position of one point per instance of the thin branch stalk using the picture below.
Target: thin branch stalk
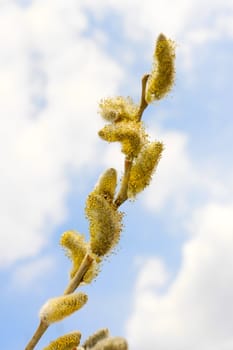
(122, 195)
(73, 285)
(143, 103)
(77, 279)
(37, 335)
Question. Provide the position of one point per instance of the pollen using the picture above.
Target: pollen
(144, 167)
(56, 309)
(161, 78)
(118, 108)
(66, 342)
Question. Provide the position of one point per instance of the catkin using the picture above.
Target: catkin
(115, 109)
(130, 134)
(105, 224)
(93, 339)
(161, 78)
(111, 343)
(76, 248)
(56, 309)
(66, 342)
(106, 185)
(144, 167)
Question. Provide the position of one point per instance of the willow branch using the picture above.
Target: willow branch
(77, 279)
(143, 103)
(73, 285)
(122, 195)
(37, 335)
(120, 199)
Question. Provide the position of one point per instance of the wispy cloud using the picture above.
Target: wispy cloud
(30, 274)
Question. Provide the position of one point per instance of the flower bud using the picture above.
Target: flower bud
(144, 167)
(56, 309)
(66, 342)
(161, 78)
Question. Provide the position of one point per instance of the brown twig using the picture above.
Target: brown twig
(122, 194)
(143, 103)
(37, 335)
(77, 279)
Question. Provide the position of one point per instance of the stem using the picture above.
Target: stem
(122, 195)
(143, 103)
(77, 279)
(37, 335)
(74, 283)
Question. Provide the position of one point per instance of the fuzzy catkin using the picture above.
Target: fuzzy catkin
(76, 248)
(115, 109)
(56, 309)
(65, 342)
(106, 185)
(144, 167)
(93, 339)
(105, 224)
(161, 78)
(111, 343)
(130, 134)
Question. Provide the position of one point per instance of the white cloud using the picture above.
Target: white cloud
(29, 274)
(194, 311)
(51, 80)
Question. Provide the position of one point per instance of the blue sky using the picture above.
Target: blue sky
(170, 283)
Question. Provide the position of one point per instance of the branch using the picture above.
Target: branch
(77, 279)
(122, 195)
(74, 283)
(37, 335)
(143, 103)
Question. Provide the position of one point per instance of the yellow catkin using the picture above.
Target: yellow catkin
(76, 248)
(105, 224)
(93, 339)
(106, 185)
(115, 109)
(111, 343)
(56, 309)
(161, 78)
(143, 168)
(130, 134)
(66, 342)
